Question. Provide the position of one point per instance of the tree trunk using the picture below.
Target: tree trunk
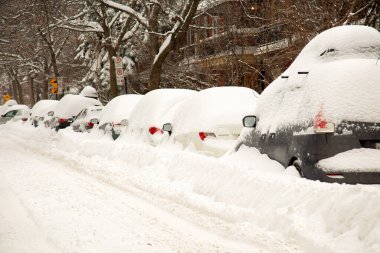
(31, 86)
(14, 91)
(45, 85)
(113, 84)
(19, 91)
(156, 68)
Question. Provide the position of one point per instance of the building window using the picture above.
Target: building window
(215, 24)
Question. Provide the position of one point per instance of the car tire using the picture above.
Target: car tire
(297, 165)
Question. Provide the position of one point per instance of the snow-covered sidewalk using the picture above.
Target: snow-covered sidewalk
(71, 192)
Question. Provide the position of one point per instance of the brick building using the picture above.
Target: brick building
(233, 42)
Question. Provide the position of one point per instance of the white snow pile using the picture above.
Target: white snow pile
(42, 107)
(355, 160)
(119, 108)
(340, 83)
(233, 195)
(70, 105)
(215, 108)
(152, 108)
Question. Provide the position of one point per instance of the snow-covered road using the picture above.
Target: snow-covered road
(69, 192)
(49, 206)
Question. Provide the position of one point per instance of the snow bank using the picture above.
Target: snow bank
(355, 160)
(70, 105)
(240, 198)
(119, 108)
(340, 80)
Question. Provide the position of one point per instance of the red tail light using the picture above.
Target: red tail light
(321, 125)
(90, 125)
(153, 130)
(62, 120)
(203, 135)
(319, 121)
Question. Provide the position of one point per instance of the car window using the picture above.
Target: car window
(10, 114)
(82, 114)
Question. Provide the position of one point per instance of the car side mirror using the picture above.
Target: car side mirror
(249, 121)
(167, 127)
(94, 121)
(51, 113)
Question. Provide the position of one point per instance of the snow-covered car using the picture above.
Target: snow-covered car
(326, 103)
(15, 113)
(69, 107)
(150, 113)
(6, 105)
(39, 111)
(210, 120)
(86, 119)
(115, 115)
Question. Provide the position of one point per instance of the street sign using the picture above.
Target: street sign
(54, 91)
(119, 71)
(6, 97)
(53, 81)
(118, 62)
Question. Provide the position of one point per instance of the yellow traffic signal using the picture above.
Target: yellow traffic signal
(53, 81)
(54, 91)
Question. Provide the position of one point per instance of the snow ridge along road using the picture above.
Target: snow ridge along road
(74, 193)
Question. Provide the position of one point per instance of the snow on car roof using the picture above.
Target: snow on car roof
(70, 105)
(336, 74)
(214, 107)
(42, 107)
(89, 92)
(119, 108)
(152, 108)
(16, 107)
(3, 107)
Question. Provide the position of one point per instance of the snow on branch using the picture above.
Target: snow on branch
(139, 18)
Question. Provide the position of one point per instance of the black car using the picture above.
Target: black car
(327, 103)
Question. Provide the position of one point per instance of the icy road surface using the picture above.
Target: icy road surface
(69, 192)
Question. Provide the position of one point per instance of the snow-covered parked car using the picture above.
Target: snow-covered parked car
(40, 110)
(210, 121)
(69, 107)
(115, 115)
(15, 113)
(150, 113)
(324, 105)
(87, 118)
(6, 105)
